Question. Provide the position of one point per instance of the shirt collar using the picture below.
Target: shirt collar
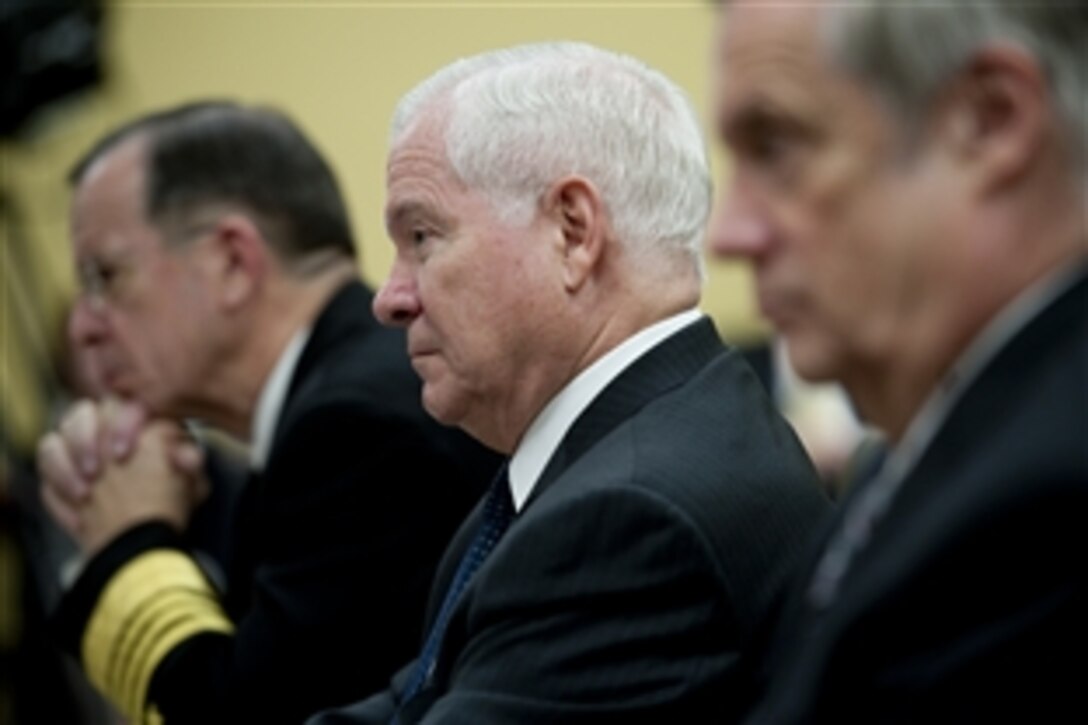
(273, 396)
(552, 423)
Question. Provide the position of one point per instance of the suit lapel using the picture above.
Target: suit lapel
(1011, 375)
(451, 559)
(669, 365)
(342, 313)
(347, 311)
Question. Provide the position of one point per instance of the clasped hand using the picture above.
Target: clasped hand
(108, 468)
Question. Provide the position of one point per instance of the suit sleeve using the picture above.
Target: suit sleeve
(136, 601)
(609, 608)
(346, 556)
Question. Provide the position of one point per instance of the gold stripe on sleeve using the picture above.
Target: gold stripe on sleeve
(152, 604)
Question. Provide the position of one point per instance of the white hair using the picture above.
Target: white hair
(522, 118)
(908, 51)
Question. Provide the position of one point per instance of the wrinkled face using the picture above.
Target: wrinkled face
(841, 222)
(139, 319)
(475, 294)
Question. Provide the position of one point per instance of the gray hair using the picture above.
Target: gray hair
(909, 50)
(520, 119)
(211, 152)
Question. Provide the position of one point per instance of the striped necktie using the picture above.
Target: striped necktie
(497, 514)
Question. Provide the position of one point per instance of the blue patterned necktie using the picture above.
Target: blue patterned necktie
(497, 515)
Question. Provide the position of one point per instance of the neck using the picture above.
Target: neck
(641, 294)
(286, 305)
(889, 400)
(890, 395)
(593, 326)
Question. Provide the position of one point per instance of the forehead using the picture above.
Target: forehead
(420, 178)
(108, 203)
(773, 54)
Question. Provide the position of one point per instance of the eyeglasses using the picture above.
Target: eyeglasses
(100, 280)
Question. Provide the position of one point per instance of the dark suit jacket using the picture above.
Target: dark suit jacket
(969, 603)
(335, 542)
(637, 580)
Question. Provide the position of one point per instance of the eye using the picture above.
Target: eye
(419, 236)
(96, 276)
(105, 278)
(106, 273)
(768, 147)
(773, 146)
(766, 144)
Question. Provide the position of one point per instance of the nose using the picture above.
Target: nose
(397, 302)
(87, 332)
(87, 326)
(738, 227)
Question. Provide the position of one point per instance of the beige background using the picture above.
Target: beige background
(338, 69)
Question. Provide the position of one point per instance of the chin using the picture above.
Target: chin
(811, 360)
(159, 404)
(438, 406)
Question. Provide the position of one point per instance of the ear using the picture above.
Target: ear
(997, 116)
(579, 213)
(240, 260)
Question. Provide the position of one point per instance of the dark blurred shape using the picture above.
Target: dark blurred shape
(49, 49)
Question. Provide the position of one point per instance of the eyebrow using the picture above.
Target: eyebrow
(397, 215)
(748, 118)
(759, 117)
(104, 257)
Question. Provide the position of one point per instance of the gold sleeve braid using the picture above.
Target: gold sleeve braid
(152, 604)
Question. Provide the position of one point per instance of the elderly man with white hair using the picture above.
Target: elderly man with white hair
(547, 204)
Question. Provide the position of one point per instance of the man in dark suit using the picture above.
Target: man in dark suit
(220, 281)
(547, 205)
(909, 183)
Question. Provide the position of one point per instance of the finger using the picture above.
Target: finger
(126, 420)
(66, 516)
(200, 489)
(80, 431)
(58, 471)
(188, 458)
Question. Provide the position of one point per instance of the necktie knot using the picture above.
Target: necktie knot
(498, 509)
(860, 515)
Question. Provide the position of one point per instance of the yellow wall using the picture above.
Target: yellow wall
(338, 69)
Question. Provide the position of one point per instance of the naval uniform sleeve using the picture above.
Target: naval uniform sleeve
(134, 603)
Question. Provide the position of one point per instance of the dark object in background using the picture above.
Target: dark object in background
(49, 49)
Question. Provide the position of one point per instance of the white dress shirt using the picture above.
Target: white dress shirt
(548, 428)
(273, 395)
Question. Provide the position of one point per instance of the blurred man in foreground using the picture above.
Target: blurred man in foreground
(909, 185)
